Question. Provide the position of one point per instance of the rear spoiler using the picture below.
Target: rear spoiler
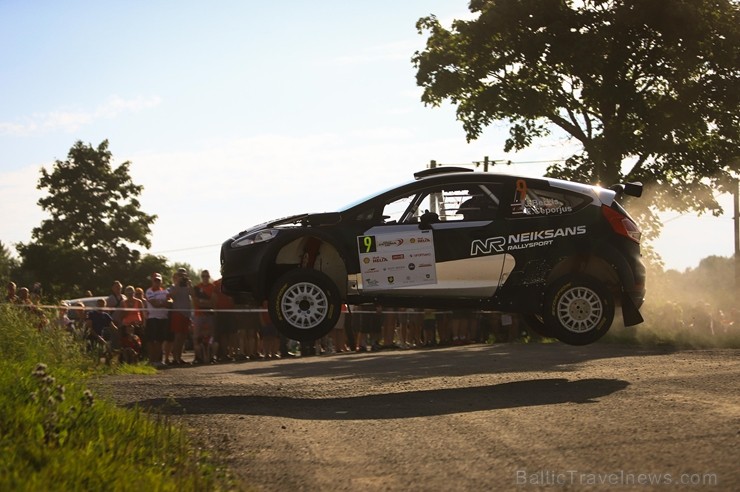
(631, 189)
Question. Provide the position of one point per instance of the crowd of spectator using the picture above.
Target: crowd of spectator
(161, 323)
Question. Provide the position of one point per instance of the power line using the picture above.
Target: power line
(184, 249)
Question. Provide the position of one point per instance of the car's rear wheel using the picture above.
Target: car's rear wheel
(578, 309)
(304, 304)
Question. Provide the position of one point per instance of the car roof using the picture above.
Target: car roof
(458, 174)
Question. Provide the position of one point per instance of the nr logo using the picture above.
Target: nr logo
(487, 246)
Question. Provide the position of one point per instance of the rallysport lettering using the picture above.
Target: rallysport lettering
(499, 244)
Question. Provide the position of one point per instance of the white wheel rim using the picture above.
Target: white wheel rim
(580, 309)
(304, 305)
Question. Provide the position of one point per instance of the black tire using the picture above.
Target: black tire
(304, 305)
(537, 325)
(578, 309)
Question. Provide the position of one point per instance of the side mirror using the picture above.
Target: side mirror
(631, 189)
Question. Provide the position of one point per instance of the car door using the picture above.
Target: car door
(441, 241)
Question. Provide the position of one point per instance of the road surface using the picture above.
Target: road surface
(477, 417)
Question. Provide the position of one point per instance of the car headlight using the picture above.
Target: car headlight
(254, 237)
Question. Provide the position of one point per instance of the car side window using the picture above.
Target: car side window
(446, 204)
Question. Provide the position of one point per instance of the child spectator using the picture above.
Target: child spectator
(100, 331)
(130, 346)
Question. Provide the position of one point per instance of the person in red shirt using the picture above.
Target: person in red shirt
(204, 301)
(227, 326)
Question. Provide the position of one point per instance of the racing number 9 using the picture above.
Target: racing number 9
(366, 244)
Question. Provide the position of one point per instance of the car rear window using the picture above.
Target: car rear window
(541, 202)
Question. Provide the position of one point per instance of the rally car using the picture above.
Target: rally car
(562, 254)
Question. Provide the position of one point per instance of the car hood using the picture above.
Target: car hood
(302, 220)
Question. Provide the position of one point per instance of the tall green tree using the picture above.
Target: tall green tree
(94, 226)
(8, 265)
(648, 88)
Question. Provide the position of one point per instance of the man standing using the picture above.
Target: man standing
(181, 294)
(115, 303)
(157, 325)
(204, 300)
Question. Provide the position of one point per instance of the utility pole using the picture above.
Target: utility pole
(736, 223)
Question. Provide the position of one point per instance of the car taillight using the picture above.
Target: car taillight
(621, 224)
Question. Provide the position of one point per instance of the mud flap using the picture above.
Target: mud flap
(630, 314)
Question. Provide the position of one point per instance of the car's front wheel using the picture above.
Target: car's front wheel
(304, 304)
(578, 309)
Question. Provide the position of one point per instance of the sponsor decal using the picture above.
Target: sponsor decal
(390, 260)
(425, 265)
(522, 240)
(389, 243)
(487, 246)
(541, 206)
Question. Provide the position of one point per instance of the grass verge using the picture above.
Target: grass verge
(56, 435)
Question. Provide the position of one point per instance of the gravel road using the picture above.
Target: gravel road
(477, 417)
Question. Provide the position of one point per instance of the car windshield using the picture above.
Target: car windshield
(368, 197)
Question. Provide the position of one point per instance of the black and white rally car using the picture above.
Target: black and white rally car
(562, 254)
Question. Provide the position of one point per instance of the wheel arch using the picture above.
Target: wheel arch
(605, 264)
(591, 265)
(310, 250)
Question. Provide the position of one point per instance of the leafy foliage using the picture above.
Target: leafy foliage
(647, 87)
(94, 226)
(8, 264)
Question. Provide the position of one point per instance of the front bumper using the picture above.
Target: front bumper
(241, 270)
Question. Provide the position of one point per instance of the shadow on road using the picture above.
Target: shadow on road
(397, 405)
(457, 361)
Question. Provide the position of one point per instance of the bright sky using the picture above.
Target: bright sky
(236, 112)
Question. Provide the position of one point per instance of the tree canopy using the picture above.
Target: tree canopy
(648, 88)
(8, 264)
(95, 223)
